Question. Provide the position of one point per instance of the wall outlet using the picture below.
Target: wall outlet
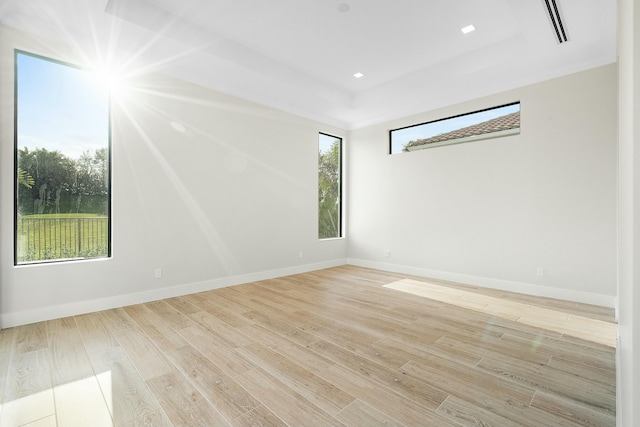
(540, 271)
(300, 255)
(158, 273)
(387, 253)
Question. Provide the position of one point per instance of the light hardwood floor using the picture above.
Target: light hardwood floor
(345, 346)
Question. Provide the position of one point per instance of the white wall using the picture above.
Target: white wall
(232, 199)
(628, 413)
(491, 212)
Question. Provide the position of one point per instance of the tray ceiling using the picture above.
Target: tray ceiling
(300, 55)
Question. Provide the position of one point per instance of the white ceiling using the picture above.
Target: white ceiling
(300, 55)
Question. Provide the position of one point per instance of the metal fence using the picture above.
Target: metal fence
(41, 239)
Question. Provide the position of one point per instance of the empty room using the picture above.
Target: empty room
(315, 213)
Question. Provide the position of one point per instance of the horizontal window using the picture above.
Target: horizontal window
(490, 123)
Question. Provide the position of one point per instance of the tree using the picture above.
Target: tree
(60, 184)
(329, 191)
(50, 170)
(91, 184)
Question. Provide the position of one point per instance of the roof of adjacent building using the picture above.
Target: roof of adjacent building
(499, 124)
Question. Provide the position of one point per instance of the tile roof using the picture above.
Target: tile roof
(499, 124)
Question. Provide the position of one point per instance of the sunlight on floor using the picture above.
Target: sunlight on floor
(28, 409)
(78, 403)
(585, 328)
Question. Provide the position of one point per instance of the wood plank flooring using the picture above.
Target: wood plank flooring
(595, 330)
(345, 346)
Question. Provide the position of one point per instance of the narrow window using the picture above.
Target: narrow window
(329, 186)
(489, 123)
(62, 162)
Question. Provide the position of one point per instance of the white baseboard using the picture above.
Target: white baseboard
(81, 307)
(487, 282)
(8, 320)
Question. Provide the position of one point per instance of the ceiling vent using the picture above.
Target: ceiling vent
(556, 21)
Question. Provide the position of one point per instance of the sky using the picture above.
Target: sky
(325, 142)
(60, 107)
(402, 136)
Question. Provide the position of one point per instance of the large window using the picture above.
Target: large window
(490, 123)
(62, 162)
(329, 186)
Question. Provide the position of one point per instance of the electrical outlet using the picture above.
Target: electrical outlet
(387, 253)
(158, 273)
(540, 271)
(300, 255)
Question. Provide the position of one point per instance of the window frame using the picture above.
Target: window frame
(109, 160)
(340, 187)
(454, 141)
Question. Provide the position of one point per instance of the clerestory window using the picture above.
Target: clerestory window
(490, 123)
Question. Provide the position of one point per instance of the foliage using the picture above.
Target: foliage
(329, 192)
(60, 184)
(25, 179)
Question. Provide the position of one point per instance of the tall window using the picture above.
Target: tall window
(329, 186)
(62, 162)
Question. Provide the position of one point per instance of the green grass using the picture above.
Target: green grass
(63, 236)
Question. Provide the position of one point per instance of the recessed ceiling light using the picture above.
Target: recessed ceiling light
(343, 8)
(467, 29)
(358, 75)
